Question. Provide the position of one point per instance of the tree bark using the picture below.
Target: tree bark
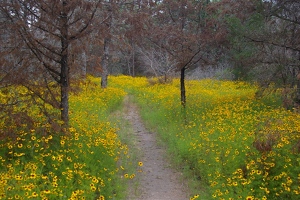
(64, 64)
(182, 87)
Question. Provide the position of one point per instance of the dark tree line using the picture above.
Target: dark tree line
(265, 42)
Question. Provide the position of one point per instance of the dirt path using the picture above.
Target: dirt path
(157, 181)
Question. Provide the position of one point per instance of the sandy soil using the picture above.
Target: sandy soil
(158, 180)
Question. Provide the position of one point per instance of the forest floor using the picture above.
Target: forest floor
(158, 180)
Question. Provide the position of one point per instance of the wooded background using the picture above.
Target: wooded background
(48, 44)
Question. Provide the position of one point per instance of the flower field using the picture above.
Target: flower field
(234, 145)
(81, 164)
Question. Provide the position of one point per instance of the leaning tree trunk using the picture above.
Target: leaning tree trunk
(182, 87)
(64, 74)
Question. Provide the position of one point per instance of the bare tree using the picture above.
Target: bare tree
(158, 62)
(49, 29)
(189, 33)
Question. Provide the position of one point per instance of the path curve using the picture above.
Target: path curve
(157, 181)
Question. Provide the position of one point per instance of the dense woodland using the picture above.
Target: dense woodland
(48, 45)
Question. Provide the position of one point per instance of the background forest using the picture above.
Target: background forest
(46, 45)
(50, 47)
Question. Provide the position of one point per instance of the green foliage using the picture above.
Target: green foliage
(244, 51)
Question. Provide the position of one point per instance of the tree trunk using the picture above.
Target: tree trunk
(105, 58)
(297, 99)
(298, 83)
(84, 64)
(128, 65)
(182, 87)
(64, 74)
(104, 63)
(133, 59)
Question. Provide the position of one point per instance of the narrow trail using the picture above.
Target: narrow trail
(158, 180)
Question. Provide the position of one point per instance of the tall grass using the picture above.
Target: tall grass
(234, 145)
